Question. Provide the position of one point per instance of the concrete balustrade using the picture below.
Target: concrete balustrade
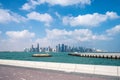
(67, 67)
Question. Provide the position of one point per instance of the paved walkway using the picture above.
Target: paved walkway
(20, 73)
(67, 67)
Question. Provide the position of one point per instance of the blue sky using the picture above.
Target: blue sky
(87, 23)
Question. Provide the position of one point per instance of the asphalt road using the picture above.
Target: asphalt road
(21, 73)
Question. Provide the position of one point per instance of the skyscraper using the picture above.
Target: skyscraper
(37, 49)
(59, 48)
(63, 48)
(32, 49)
(66, 48)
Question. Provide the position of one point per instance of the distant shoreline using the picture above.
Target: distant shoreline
(61, 52)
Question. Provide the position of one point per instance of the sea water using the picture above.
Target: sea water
(59, 57)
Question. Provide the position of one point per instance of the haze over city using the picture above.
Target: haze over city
(87, 23)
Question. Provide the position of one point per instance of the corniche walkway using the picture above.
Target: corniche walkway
(66, 67)
(21, 73)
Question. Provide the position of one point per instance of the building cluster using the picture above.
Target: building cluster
(39, 49)
(59, 48)
(66, 48)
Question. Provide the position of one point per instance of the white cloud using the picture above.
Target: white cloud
(8, 16)
(20, 34)
(40, 17)
(56, 36)
(80, 34)
(112, 15)
(30, 5)
(17, 40)
(68, 2)
(26, 6)
(14, 45)
(89, 19)
(113, 31)
(33, 3)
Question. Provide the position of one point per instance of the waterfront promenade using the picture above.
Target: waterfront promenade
(21, 73)
(66, 67)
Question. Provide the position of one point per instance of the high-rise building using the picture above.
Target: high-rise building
(63, 48)
(37, 49)
(32, 49)
(59, 48)
(66, 48)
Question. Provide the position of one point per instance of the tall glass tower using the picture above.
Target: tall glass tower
(38, 47)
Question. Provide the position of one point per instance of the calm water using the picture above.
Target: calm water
(59, 57)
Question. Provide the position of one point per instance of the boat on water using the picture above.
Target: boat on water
(42, 55)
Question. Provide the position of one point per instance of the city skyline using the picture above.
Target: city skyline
(88, 23)
(61, 48)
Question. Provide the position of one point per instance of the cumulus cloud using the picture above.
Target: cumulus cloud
(46, 18)
(9, 16)
(89, 19)
(14, 45)
(68, 2)
(113, 31)
(77, 34)
(31, 4)
(56, 36)
(20, 34)
(16, 40)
